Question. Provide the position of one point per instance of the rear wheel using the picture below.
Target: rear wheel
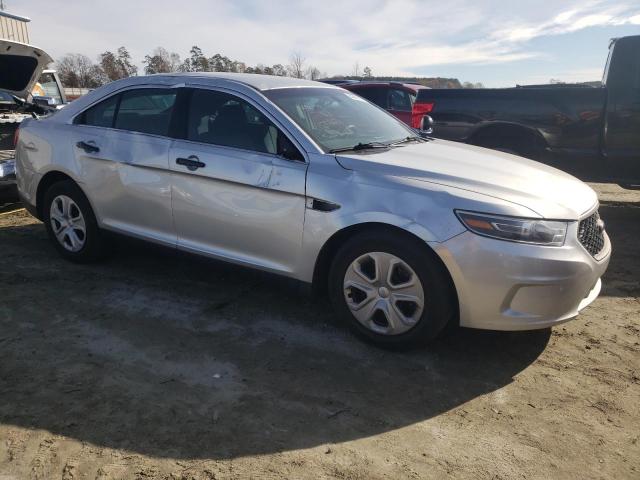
(71, 224)
(391, 290)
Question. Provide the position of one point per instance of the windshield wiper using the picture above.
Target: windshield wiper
(407, 140)
(360, 146)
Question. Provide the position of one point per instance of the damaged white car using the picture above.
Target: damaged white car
(313, 182)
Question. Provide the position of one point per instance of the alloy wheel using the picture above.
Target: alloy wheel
(68, 223)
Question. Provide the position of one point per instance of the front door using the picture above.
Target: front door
(234, 197)
(121, 146)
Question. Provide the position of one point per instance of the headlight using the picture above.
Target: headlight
(514, 229)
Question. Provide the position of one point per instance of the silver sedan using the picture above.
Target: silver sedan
(406, 233)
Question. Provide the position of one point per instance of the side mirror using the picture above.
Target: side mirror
(286, 149)
(426, 125)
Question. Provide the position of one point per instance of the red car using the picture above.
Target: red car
(399, 99)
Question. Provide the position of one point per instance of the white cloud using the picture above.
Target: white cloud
(391, 36)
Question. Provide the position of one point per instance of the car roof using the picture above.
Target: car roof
(247, 81)
(254, 80)
(378, 83)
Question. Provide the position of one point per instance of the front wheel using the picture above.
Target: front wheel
(391, 289)
(71, 224)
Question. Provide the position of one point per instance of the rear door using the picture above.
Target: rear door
(121, 146)
(233, 196)
(622, 129)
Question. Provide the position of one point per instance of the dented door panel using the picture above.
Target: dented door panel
(243, 206)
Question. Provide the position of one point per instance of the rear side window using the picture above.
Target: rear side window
(222, 119)
(146, 111)
(100, 115)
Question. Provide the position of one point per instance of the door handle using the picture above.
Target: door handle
(192, 163)
(88, 147)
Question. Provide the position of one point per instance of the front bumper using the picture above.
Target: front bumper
(514, 286)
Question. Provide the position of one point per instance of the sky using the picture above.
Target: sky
(496, 42)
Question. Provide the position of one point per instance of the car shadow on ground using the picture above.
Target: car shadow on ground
(174, 356)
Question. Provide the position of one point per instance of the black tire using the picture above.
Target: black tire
(440, 305)
(95, 244)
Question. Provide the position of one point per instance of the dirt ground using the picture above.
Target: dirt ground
(160, 365)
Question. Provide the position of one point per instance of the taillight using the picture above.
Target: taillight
(16, 137)
(419, 111)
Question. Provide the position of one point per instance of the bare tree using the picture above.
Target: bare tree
(367, 72)
(313, 73)
(161, 61)
(296, 65)
(356, 69)
(77, 70)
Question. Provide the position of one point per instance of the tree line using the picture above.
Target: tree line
(78, 70)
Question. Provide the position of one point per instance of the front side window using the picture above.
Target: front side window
(146, 111)
(223, 119)
(337, 119)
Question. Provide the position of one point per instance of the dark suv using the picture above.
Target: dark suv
(399, 99)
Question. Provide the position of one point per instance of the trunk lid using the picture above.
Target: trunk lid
(20, 67)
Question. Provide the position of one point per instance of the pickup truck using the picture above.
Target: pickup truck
(26, 90)
(590, 132)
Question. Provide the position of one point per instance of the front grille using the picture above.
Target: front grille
(591, 234)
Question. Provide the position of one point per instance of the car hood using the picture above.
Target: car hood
(546, 191)
(21, 66)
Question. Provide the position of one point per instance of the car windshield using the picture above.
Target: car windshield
(337, 119)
